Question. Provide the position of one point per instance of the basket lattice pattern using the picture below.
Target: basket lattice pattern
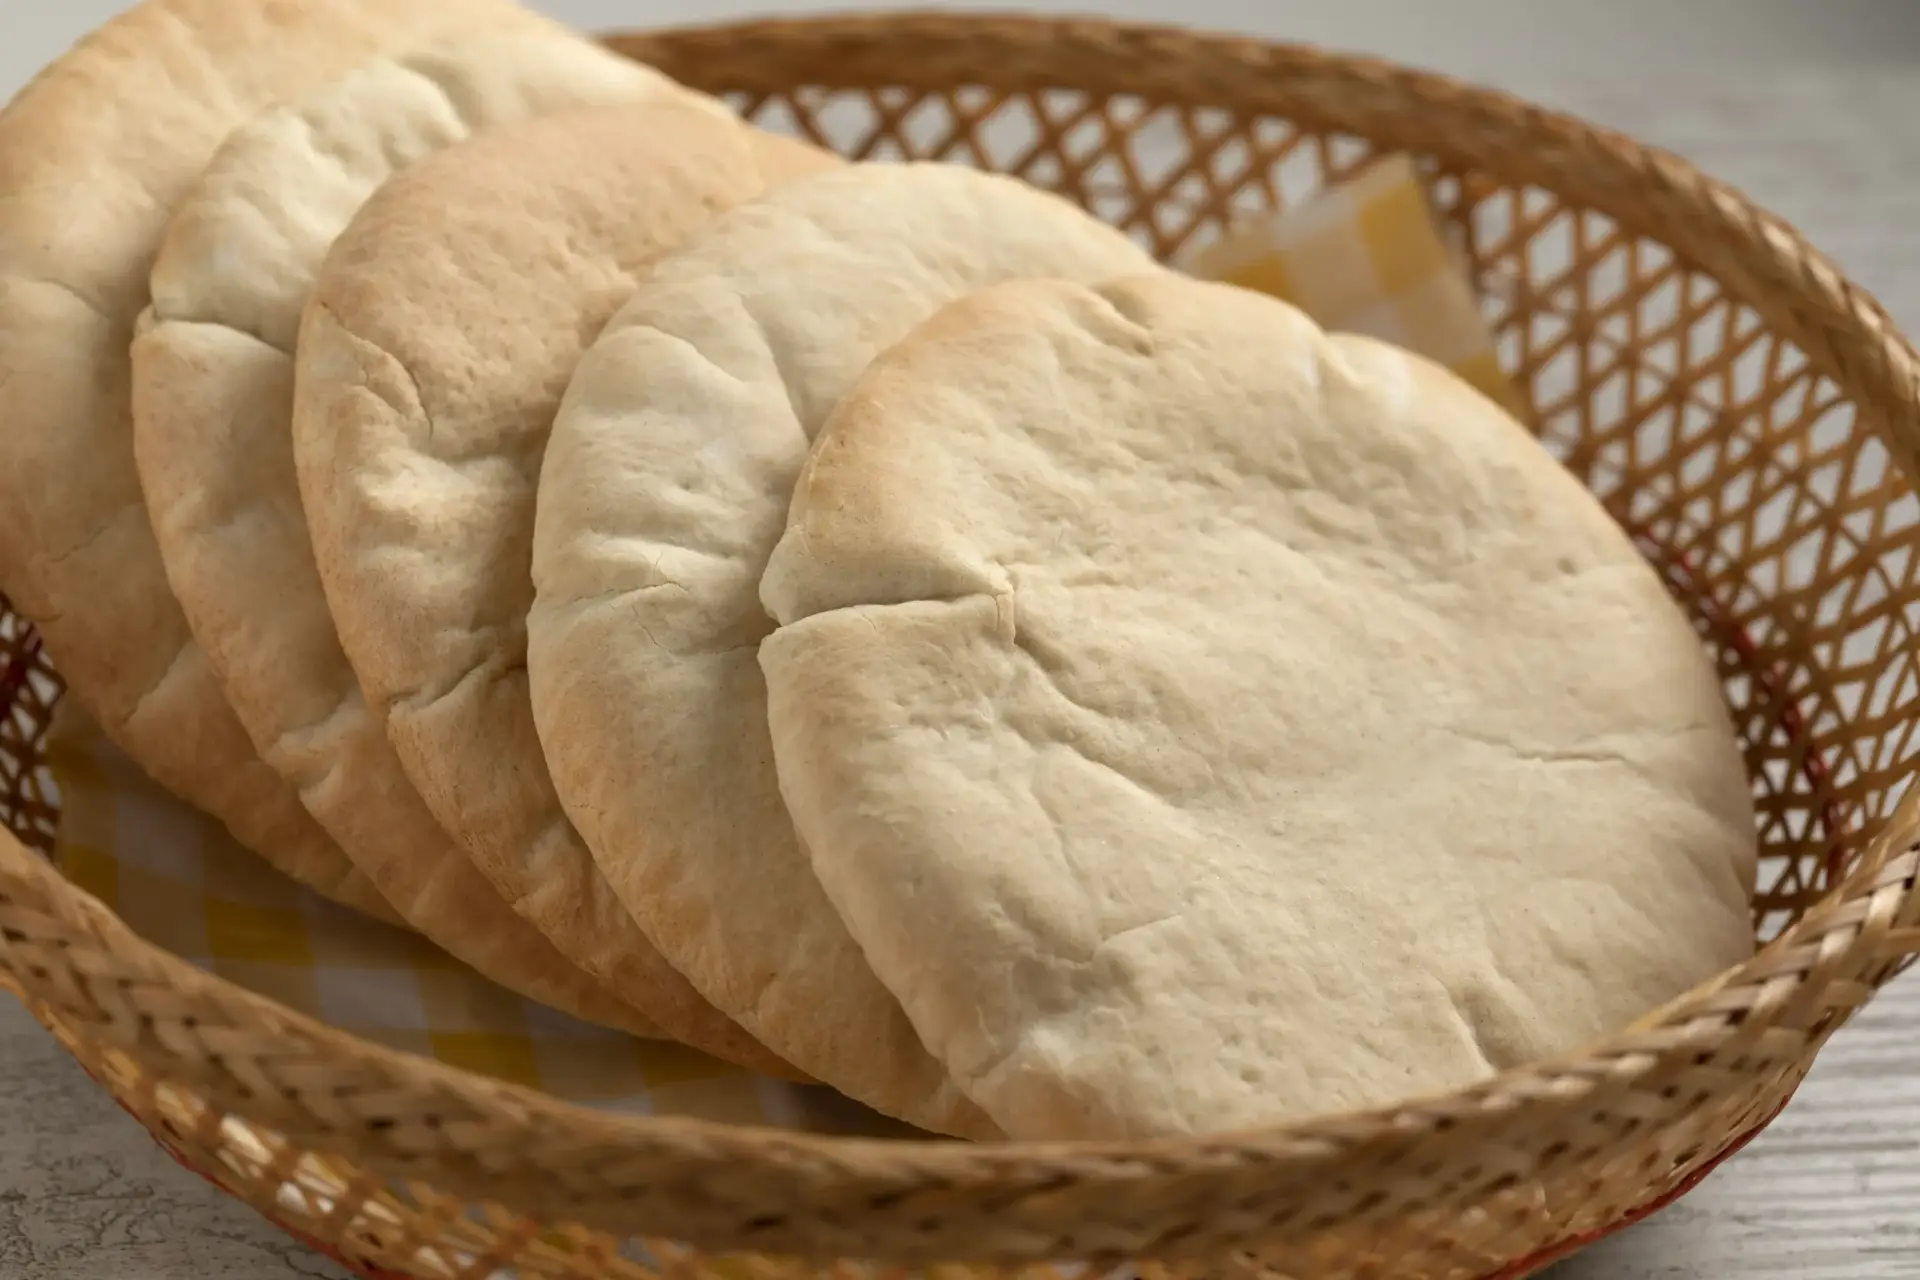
(1747, 413)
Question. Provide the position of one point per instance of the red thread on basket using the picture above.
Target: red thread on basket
(1768, 680)
(1573, 1244)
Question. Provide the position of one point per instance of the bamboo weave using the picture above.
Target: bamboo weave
(1749, 413)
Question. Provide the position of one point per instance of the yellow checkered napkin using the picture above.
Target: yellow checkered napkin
(181, 882)
(1366, 257)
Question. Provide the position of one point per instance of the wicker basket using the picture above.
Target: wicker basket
(1739, 405)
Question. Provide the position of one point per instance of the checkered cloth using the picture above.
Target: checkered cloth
(1366, 257)
(180, 881)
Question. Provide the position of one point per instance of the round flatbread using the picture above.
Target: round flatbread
(94, 155)
(1201, 721)
(665, 487)
(440, 336)
(213, 410)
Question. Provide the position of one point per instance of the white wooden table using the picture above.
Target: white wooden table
(1818, 118)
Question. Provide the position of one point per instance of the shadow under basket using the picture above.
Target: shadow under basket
(1750, 415)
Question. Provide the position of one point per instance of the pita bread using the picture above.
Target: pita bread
(440, 336)
(94, 154)
(1202, 721)
(664, 489)
(213, 410)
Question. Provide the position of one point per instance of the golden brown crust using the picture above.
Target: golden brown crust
(94, 154)
(442, 333)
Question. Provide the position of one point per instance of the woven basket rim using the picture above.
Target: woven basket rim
(1858, 933)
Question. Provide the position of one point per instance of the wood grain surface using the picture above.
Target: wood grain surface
(1830, 1192)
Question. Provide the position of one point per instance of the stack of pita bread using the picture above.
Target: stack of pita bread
(867, 622)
